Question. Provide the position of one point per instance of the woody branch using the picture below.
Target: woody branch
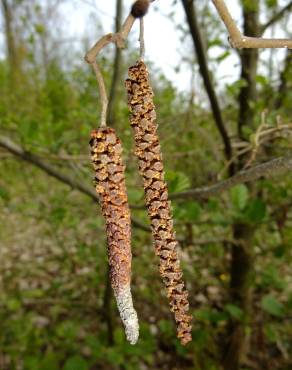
(240, 41)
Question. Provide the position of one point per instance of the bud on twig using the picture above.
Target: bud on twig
(143, 121)
(106, 151)
(140, 8)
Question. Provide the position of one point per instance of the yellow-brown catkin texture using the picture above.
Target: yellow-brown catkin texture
(143, 121)
(106, 156)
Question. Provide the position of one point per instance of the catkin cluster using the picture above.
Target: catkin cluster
(106, 156)
(147, 149)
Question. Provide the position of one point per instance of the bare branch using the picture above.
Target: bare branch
(102, 92)
(276, 17)
(119, 38)
(274, 167)
(90, 57)
(240, 41)
(112, 105)
(202, 60)
(29, 157)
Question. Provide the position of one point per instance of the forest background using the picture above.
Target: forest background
(56, 305)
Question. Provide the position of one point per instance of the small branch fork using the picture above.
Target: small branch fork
(90, 57)
(240, 41)
(119, 39)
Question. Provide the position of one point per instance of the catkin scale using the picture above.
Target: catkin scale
(147, 149)
(106, 156)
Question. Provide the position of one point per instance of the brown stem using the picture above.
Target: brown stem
(112, 111)
(202, 60)
(241, 267)
(57, 174)
(276, 17)
(241, 41)
(275, 167)
(285, 81)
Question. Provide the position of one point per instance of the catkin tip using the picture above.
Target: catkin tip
(128, 314)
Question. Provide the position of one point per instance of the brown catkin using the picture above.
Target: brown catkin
(143, 121)
(106, 156)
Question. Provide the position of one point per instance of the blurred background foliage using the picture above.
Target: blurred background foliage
(56, 308)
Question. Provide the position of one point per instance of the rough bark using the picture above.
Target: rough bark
(241, 257)
(191, 17)
(249, 62)
(285, 81)
(10, 38)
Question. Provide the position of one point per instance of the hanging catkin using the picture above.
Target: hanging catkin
(106, 155)
(143, 121)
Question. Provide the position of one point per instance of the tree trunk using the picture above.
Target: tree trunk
(241, 268)
(10, 38)
(285, 81)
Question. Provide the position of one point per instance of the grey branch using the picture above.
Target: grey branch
(240, 41)
(29, 157)
(191, 16)
(274, 167)
(276, 17)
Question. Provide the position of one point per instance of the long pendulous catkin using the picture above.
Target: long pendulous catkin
(106, 156)
(143, 121)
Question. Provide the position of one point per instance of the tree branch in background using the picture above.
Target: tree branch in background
(276, 17)
(274, 167)
(285, 82)
(90, 57)
(202, 60)
(117, 69)
(23, 154)
(49, 169)
(240, 41)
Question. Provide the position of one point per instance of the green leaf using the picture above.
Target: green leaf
(4, 194)
(177, 181)
(271, 3)
(234, 311)
(255, 211)
(67, 329)
(262, 80)
(13, 304)
(271, 305)
(76, 363)
(193, 210)
(223, 56)
(187, 212)
(239, 196)
(39, 28)
(50, 362)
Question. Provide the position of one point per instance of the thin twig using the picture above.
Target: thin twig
(53, 171)
(142, 40)
(102, 92)
(191, 16)
(272, 168)
(90, 57)
(240, 41)
(276, 17)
